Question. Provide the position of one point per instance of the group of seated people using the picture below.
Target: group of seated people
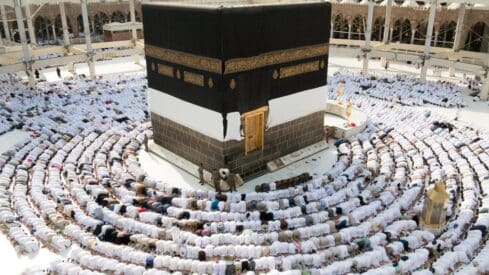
(400, 88)
(77, 188)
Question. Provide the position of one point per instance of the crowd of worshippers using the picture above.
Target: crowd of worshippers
(474, 84)
(78, 181)
(51, 107)
(402, 89)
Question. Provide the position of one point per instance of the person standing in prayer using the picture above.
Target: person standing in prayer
(341, 89)
(58, 72)
(216, 180)
(145, 141)
(327, 132)
(231, 181)
(201, 173)
(36, 72)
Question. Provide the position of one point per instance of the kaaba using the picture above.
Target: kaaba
(236, 84)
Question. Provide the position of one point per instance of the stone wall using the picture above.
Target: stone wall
(196, 147)
(187, 143)
(121, 35)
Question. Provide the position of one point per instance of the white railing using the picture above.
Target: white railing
(394, 52)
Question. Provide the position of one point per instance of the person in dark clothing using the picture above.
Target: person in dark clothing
(232, 181)
(145, 142)
(201, 173)
(216, 180)
(58, 72)
(36, 72)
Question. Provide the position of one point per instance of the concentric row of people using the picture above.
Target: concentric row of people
(400, 88)
(77, 186)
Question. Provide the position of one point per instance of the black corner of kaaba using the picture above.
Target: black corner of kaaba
(236, 58)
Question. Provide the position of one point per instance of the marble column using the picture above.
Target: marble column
(6, 29)
(388, 14)
(458, 35)
(427, 44)
(53, 29)
(23, 40)
(368, 35)
(88, 40)
(64, 24)
(30, 26)
(435, 39)
(134, 37)
(485, 89)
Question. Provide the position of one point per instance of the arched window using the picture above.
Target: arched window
(358, 28)
(138, 18)
(446, 36)
(118, 16)
(402, 31)
(42, 25)
(100, 19)
(378, 29)
(59, 25)
(420, 35)
(477, 37)
(340, 27)
(79, 22)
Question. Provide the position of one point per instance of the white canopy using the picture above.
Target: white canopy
(349, 2)
(409, 4)
(454, 6)
(384, 3)
(481, 6)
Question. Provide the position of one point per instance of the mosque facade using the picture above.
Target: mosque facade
(348, 21)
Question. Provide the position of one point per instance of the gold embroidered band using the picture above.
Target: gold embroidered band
(196, 79)
(214, 65)
(299, 69)
(186, 59)
(275, 57)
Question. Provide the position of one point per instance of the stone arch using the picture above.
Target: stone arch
(138, 18)
(2, 32)
(340, 27)
(42, 26)
(477, 37)
(15, 31)
(378, 29)
(58, 25)
(420, 36)
(402, 31)
(446, 34)
(118, 16)
(358, 27)
(79, 23)
(99, 20)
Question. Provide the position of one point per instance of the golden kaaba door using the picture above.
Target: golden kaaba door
(254, 129)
